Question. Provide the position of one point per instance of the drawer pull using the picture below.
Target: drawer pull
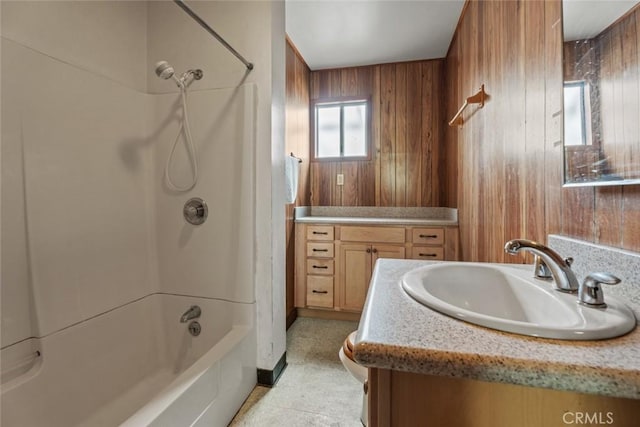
(321, 232)
(321, 266)
(429, 255)
(320, 292)
(320, 250)
(428, 236)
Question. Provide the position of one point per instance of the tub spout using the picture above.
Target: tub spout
(193, 313)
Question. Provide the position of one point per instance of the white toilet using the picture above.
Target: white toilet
(357, 371)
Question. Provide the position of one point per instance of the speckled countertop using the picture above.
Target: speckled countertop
(376, 215)
(396, 332)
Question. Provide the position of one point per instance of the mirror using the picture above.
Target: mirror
(601, 68)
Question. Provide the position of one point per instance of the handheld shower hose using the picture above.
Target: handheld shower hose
(165, 71)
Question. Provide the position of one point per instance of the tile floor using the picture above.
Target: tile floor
(315, 389)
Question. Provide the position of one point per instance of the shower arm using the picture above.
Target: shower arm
(211, 31)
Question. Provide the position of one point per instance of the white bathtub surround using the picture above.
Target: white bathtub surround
(139, 354)
(591, 258)
(91, 229)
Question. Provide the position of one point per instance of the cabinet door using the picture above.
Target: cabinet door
(387, 251)
(354, 275)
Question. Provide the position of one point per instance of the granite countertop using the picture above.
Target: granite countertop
(376, 215)
(396, 332)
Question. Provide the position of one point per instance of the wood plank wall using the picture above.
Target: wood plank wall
(407, 136)
(509, 159)
(296, 142)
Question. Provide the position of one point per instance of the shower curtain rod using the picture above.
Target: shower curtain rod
(211, 31)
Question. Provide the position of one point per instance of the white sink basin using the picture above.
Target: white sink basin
(508, 298)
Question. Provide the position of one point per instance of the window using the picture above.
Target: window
(341, 129)
(577, 117)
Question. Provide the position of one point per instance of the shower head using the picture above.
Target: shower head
(164, 70)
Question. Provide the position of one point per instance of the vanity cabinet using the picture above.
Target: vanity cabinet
(334, 262)
(407, 399)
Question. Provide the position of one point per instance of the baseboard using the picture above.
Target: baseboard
(291, 317)
(329, 314)
(268, 377)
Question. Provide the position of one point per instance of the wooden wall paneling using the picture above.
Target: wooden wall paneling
(532, 186)
(427, 135)
(437, 133)
(401, 135)
(302, 88)
(398, 125)
(511, 209)
(509, 163)
(387, 135)
(325, 191)
(296, 142)
(474, 205)
(631, 218)
(350, 189)
(630, 100)
(449, 196)
(414, 115)
(366, 183)
(348, 81)
(376, 103)
(609, 215)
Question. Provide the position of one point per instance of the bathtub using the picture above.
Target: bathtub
(137, 365)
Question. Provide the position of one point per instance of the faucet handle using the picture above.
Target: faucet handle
(590, 293)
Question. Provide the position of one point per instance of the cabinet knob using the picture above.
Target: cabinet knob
(375, 251)
(368, 250)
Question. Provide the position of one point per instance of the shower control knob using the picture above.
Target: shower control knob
(195, 211)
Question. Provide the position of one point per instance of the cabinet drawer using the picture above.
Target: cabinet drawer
(320, 266)
(321, 250)
(320, 232)
(372, 234)
(427, 252)
(320, 291)
(428, 236)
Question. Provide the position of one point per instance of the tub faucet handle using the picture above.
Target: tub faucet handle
(590, 293)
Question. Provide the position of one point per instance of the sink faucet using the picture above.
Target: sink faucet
(193, 313)
(564, 278)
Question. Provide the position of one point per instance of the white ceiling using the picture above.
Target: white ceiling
(335, 34)
(585, 19)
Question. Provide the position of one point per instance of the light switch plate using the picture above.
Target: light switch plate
(340, 179)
